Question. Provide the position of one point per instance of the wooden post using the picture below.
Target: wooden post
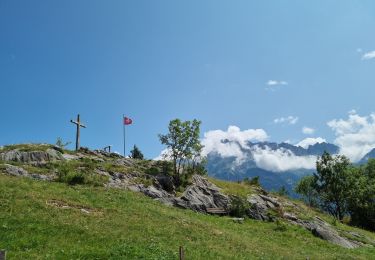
(182, 256)
(3, 255)
(79, 125)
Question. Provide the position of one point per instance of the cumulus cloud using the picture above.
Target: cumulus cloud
(308, 130)
(276, 82)
(281, 160)
(288, 120)
(368, 55)
(355, 136)
(231, 143)
(234, 143)
(305, 143)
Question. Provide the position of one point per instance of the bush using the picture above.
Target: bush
(253, 181)
(239, 207)
(280, 226)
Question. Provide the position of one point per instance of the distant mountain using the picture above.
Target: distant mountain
(369, 155)
(234, 169)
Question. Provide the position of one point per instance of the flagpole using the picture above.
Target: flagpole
(123, 123)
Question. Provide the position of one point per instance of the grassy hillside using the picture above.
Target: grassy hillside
(42, 220)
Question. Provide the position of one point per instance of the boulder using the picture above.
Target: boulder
(260, 207)
(20, 172)
(32, 156)
(202, 194)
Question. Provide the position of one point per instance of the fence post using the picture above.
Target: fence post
(182, 256)
(3, 254)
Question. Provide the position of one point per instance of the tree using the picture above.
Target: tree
(362, 198)
(283, 191)
(60, 143)
(306, 187)
(183, 145)
(135, 153)
(333, 183)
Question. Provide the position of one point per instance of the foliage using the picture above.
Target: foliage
(238, 206)
(135, 153)
(362, 199)
(306, 188)
(280, 226)
(79, 173)
(60, 143)
(252, 181)
(283, 191)
(333, 182)
(345, 191)
(182, 141)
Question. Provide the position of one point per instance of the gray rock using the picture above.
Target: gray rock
(323, 230)
(260, 207)
(202, 194)
(15, 170)
(20, 172)
(31, 157)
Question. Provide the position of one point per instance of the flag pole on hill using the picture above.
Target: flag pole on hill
(126, 121)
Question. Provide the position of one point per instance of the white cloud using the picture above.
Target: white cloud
(308, 130)
(352, 112)
(355, 136)
(276, 82)
(305, 143)
(231, 142)
(289, 120)
(281, 160)
(368, 55)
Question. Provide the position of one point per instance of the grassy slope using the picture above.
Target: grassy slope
(131, 226)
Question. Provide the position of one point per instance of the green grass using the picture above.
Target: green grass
(127, 225)
(233, 188)
(26, 147)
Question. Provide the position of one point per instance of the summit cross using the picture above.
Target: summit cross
(79, 125)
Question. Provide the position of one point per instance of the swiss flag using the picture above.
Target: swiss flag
(127, 121)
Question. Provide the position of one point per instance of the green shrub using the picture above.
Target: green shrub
(280, 226)
(153, 171)
(239, 207)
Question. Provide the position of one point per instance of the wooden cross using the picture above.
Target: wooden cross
(79, 125)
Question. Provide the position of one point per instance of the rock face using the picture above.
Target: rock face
(261, 206)
(202, 194)
(20, 172)
(32, 156)
(322, 229)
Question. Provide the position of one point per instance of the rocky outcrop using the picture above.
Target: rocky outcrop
(20, 172)
(261, 206)
(322, 229)
(36, 157)
(202, 194)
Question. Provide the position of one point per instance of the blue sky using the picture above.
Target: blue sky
(250, 64)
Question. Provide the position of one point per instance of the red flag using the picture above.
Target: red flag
(127, 121)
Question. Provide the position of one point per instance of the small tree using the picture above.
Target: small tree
(183, 144)
(306, 187)
(60, 143)
(333, 183)
(135, 153)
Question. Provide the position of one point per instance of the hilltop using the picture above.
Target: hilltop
(93, 204)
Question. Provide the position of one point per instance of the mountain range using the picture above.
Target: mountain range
(277, 164)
